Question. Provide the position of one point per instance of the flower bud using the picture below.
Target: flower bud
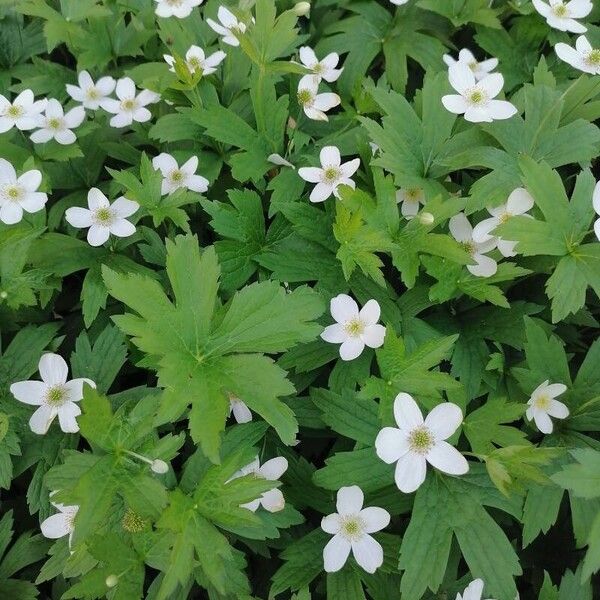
(426, 218)
(159, 466)
(301, 9)
(3, 295)
(111, 581)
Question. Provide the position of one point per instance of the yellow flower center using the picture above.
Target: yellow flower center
(132, 522)
(13, 192)
(352, 527)
(477, 96)
(505, 216)
(305, 96)
(14, 111)
(331, 174)
(92, 94)
(174, 2)
(128, 104)
(420, 440)
(104, 216)
(468, 247)
(56, 395)
(542, 402)
(54, 123)
(177, 176)
(194, 63)
(473, 65)
(414, 194)
(560, 10)
(354, 327)
(593, 58)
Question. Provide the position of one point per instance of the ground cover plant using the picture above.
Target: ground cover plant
(299, 300)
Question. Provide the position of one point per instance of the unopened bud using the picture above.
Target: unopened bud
(301, 9)
(111, 581)
(159, 466)
(3, 295)
(426, 218)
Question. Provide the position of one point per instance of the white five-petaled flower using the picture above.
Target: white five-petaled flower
(351, 526)
(241, 412)
(55, 124)
(18, 194)
(60, 524)
(473, 591)
(562, 15)
(583, 57)
(417, 442)
(354, 329)
(543, 405)
(462, 232)
(409, 200)
(130, 105)
(475, 99)
(321, 69)
(518, 203)
(196, 60)
(54, 395)
(21, 113)
(102, 217)
(272, 470)
(596, 205)
(176, 8)
(315, 105)
(228, 28)
(331, 175)
(176, 177)
(480, 68)
(91, 94)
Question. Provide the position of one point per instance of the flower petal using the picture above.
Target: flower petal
(331, 523)
(391, 444)
(41, 419)
(351, 348)
(78, 217)
(460, 228)
(321, 192)
(273, 469)
(492, 84)
(368, 553)
(56, 526)
(273, 500)
(374, 518)
(373, 336)
(407, 413)
(461, 77)
(53, 369)
(330, 156)
(369, 314)
(122, 228)
(97, 235)
(335, 553)
(123, 207)
(448, 459)
(558, 410)
(29, 392)
(67, 414)
(334, 334)
(444, 419)
(410, 472)
(349, 500)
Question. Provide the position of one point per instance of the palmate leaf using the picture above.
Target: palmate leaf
(202, 352)
(447, 507)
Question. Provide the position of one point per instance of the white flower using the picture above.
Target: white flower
(176, 8)
(518, 203)
(473, 591)
(55, 124)
(461, 230)
(176, 177)
(351, 526)
(60, 524)
(476, 99)
(322, 69)
(398, 2)
(102, 217)
(543, 405)
(278, 160)
(241, 413)
(315, 105)
(416, 442)
(54, 395)
(18, 194)
(21, 113)
(466, 57)
(582, 57)
(91, 94)
(272, 470)
(409, 200)
(130, 106)
(561, 15)
(354, 329)
(196, 60)
(331, 175)
(229, 28)
(596, 205)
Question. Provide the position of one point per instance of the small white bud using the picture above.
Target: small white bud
(3, 295)
(301, 9)
(426, 218)
(159, 466)
(111, 581)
